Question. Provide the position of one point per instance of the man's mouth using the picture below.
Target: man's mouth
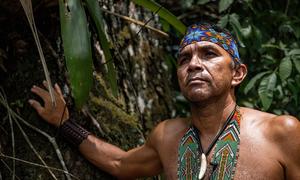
(196, 80)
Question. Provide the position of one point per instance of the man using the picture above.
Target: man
(219, 141)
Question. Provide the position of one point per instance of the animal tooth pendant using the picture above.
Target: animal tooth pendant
(203, 166)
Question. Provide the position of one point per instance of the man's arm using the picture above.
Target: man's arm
(138, 162)
(287, 135)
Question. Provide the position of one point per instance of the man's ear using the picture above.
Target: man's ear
(239, 73)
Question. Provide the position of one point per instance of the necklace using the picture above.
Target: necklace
(203, 160)
(225, 147)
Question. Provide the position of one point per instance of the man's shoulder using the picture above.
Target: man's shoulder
(284, 127)
(168, 129)
(275, 126)
(172, 125)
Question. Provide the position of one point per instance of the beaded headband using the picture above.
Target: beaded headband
(206, 32)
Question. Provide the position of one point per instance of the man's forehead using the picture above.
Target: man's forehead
(201, 45)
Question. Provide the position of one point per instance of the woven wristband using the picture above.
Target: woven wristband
(73, 132)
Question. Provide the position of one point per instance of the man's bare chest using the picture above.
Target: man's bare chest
(255, 161)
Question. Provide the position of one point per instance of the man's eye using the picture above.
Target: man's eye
(210, 54)
(183, 60)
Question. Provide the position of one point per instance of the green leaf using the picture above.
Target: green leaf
(285, 68)
(296, 30)
(202, 2)
(294, 52)
(163, 13)
(272, 82)
(186, 3)
(266, 89)
(297, 64)
(294, 90)
(233, 19)
(252, 82)
(223, 21)
(95, 12)
(77, 49)
(257, 38)
(247, 31)
(165, 25)
(224, 4)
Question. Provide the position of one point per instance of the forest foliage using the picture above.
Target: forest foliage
(268, 34)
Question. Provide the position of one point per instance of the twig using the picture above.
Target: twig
(12, 136)
(6, 165)
(51, 139)
(2, 128)
(86, 111)
(38, 165)
(287, 7)
(144, 25)
(27, 6)
(33, 148)
(13, 145)
(136, 22)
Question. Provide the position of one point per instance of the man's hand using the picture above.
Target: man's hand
(53, 115)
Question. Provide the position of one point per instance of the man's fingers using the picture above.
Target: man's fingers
(45, 84)
(58, 90)
(36, 105)
(40, 92)
(56, 87)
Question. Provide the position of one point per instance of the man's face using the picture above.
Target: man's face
(204, 71)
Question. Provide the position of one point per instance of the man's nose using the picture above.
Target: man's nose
(196, 63)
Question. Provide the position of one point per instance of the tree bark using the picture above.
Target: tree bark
(144, 81)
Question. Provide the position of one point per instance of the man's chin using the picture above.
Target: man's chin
(197, 97)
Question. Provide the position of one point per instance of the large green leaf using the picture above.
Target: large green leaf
(95, 12)
(77, 49)
(285, 68)
(163, 13)
(266, 89)
(224, 4)
(252, 82)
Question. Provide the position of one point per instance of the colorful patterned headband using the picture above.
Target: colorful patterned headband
(206, 32)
